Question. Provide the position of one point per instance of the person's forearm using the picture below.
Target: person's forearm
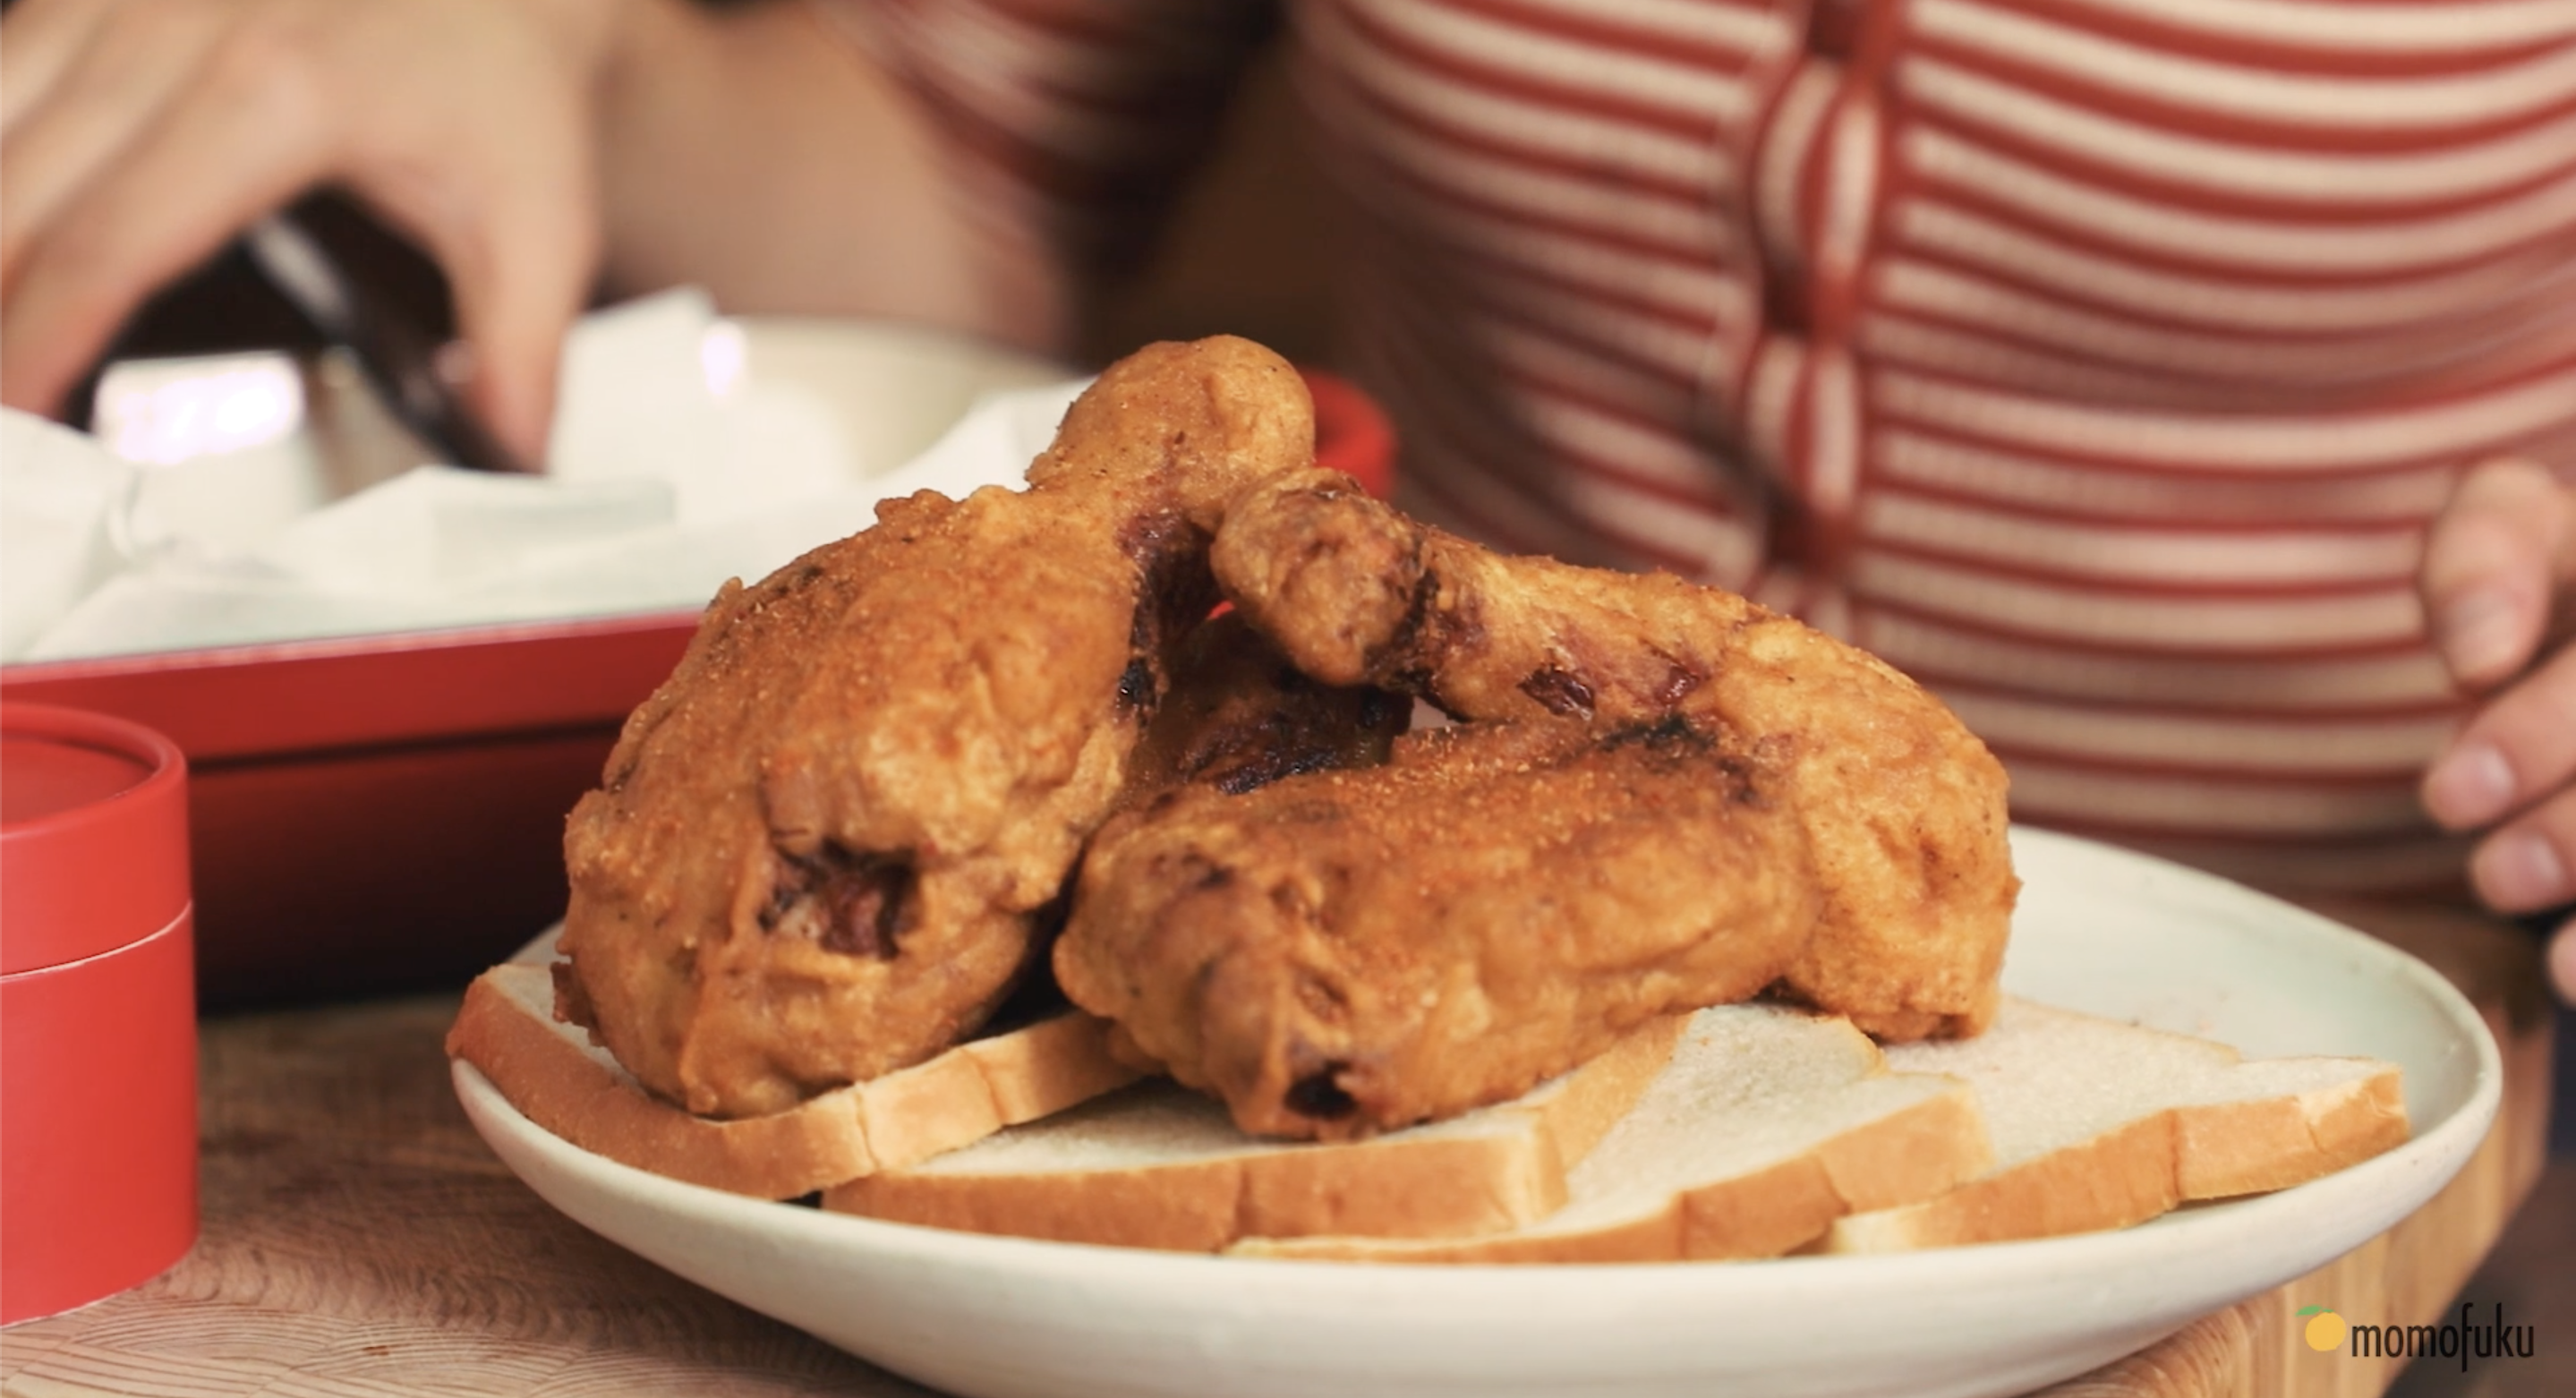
(759, 153)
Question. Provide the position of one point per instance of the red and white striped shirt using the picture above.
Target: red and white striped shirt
(2098, 362)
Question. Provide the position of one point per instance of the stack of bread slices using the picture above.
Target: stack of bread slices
(1742, 1131)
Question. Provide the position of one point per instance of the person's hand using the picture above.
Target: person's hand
(138, 136)
(2499, 586)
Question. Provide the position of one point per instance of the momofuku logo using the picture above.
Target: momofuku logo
(2464, 1339)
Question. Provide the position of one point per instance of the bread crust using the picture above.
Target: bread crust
(2121, 1177)
(1399, 1185)
(2161, 1155)
(554, 1079)
(1918, 1150)
(1917, 1177)
(2232, 1148)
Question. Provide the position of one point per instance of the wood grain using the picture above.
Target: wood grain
(361, 1242)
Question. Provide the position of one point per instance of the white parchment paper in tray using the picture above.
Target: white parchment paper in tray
(670, 470)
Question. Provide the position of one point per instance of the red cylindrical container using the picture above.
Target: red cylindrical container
(98, 1031)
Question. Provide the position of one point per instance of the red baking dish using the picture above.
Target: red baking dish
(98, 1032)
(385, 812)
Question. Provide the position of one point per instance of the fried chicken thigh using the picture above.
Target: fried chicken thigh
(819, 851)
(1343, 952)
(1902, 808)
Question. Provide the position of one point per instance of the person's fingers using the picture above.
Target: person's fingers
(251, 131)
(2518, 748)
(2530, 862)
(468, 126)
(519, 240)
(516, 298)
(38, 40)
(2491, 563)
(520, 273)
(110, 92)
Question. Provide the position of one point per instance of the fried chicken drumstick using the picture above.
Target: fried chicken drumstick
(1663, 797)
(819, 851)
(1350, 951)
(1902, 808)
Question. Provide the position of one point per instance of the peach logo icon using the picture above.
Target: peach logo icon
(2325, 1329)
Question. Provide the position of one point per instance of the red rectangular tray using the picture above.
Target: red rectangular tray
(377, 813)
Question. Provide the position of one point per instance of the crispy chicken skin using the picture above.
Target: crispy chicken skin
(1239, 717)
(819, 851)
(1350, 951)
(1902, 808)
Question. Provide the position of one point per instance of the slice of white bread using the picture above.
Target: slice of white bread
(558, 1079)
(1766, 1126)
(2099, 1124)
(1156, 1166)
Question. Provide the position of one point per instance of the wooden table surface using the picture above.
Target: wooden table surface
(360, 1240)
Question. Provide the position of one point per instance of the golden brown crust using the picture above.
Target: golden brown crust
(1919, 1150)
(1030, 1073)
(2118, 1178)
(1575, 1121)
(1927, 1148)
(1922, 1150)
(2106, 1124)
(2231, 1148)
(818, 850)
(1239, 717)
(554, 1084)
(958, 1097)
(1354, 951)
(1399, 1186)
(2148, 1166)
(1903, 809)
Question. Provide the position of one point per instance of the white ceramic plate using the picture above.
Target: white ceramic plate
(2098, 929)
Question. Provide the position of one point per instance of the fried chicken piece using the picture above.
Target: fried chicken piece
(1239, 717)
(1350, 951)
(819, 850)
(1902, 807)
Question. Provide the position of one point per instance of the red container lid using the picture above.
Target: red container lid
(93, 835)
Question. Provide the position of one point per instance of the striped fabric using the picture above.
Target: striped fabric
(2098, 362)
(1077, 116)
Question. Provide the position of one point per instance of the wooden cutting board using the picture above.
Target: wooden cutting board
(360, 1241)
